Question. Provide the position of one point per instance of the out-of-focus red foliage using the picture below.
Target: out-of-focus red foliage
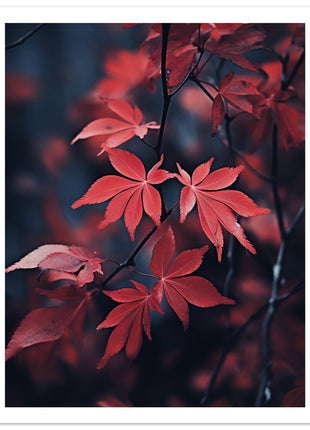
(19, 88)
(124, 75)
(55, 154)
(296, 396)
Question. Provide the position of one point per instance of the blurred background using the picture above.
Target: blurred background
(52, 86)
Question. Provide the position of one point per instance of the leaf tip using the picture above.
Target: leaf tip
(76, 204)
(228, 301)
(263, 211)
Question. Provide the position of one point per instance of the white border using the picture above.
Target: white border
(148, 14)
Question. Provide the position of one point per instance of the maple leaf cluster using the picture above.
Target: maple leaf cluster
(131, 196)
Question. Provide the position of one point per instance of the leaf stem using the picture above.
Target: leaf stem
(140, 273)
(109, 260)
(130, 261)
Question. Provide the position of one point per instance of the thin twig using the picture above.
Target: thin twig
(251, 168)
(275, 185)
(172, 93)
(203, 65)
(197, 82)
(264, 390)
(296, 220)
(235, 336)
(23, 39)
(209, 84)
(130, 261)
(109, 260)
(294, 71)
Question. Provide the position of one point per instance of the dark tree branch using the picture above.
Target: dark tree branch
(275, 185)
(165, 34)
(235, 336)
(264, 391)
(294, 71)
(23, 39)
(166, 97)
(296, 220)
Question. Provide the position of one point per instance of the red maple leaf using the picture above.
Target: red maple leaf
(242, 39)
(216, 206)
(129, 196)
(47, 324)
(280, 107)
(130, 318)
(173, 280)
(62, 261)
(19, 88)
(122, 126)
(239, 93)
(289, 120)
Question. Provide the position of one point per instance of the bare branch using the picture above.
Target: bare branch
(23, 39)
(236, 334)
